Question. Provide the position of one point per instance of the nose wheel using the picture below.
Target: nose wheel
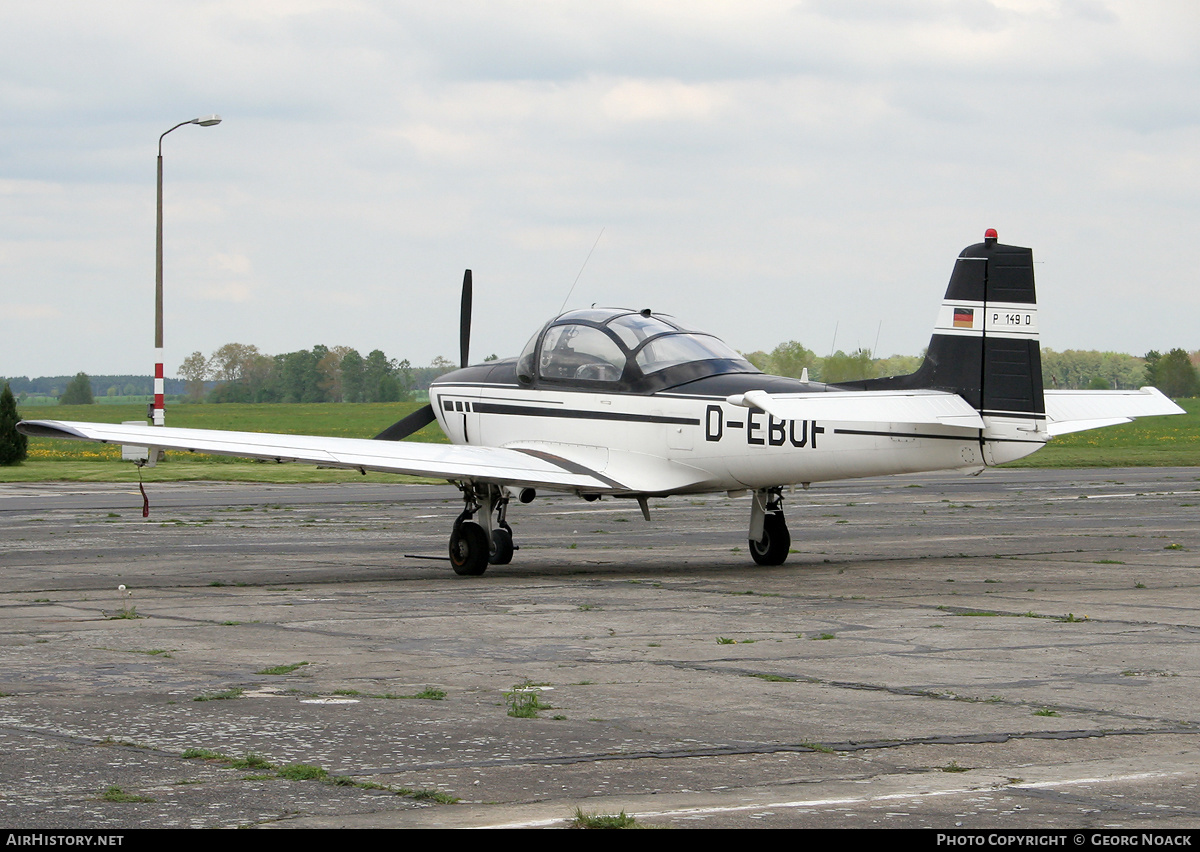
(770, 540)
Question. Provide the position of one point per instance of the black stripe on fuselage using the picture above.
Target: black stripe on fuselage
(575, 414)
(879, 434)
(570, 466)
(970, 438)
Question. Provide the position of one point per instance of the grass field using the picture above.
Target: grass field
(1158, 441)
(1153, 442)
(82, 461)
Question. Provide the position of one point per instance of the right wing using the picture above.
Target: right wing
(442, 461)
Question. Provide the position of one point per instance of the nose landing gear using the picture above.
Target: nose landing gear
(770, 540)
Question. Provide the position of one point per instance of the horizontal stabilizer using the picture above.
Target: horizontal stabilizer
(439, 461)
(923, 407)
(1077, 410)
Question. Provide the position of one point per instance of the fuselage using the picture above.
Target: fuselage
(694, 427)
(653, 405)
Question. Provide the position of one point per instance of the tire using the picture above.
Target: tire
(469, 549)
(776, 541)
(502, 547)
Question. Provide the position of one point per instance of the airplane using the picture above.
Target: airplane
(619, 403)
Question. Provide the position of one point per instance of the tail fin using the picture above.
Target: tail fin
(985, 344)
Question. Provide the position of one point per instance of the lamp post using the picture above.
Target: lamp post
(159, 413)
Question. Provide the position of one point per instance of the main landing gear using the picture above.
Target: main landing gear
(770, 540)
(474, 545)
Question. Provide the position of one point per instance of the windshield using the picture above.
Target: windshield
(671, 349)
(625, 351)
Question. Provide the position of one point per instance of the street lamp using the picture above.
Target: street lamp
(159, 413)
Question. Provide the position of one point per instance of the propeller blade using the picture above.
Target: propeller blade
(464, 322)
(401, 429)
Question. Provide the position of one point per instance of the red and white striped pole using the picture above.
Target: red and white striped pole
(159, 387)
(159, 414)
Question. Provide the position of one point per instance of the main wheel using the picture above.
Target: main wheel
(502, 547)
(776, 541)
(469, 549)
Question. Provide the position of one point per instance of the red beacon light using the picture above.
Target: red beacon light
(990, 236)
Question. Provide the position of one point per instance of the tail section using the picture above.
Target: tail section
(985, 348)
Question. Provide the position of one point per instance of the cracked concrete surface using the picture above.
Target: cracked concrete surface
(1014, 650)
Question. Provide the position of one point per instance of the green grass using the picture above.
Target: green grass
(251, 761)
(83, 461)
(1151, 442)
(282, 670)
(1155, 441)
(303, 772)
(524, 700)
(621, 820)
(203, 754)
(116, 794)
(227, 695)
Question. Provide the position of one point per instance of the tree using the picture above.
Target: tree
(377, 377)
(194, 370)
(12, 443)
(230, 362)
(78, 392)
(759, 359)
(332, 380)
(352, 376)
(840, 367)
(791, 359)
(1173, 373)
(298, 375)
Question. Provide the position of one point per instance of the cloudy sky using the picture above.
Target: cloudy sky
(765, 170)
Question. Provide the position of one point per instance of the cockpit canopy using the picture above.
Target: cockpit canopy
(623, 351)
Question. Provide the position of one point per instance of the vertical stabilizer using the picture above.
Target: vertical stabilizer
(985, 342)
(985, 348)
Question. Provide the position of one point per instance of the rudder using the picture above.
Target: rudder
(985, 342)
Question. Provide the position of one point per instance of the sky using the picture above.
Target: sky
(767, 171)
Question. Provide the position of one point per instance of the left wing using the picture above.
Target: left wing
(442, 461)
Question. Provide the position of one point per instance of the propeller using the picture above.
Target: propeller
(464, 320)
(424, 415)
(401, 429)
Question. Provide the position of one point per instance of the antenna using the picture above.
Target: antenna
(585, 263)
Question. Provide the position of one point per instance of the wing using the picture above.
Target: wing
(527, 466)
(1076, 410)
(924, 407)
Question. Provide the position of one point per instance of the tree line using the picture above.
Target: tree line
(238, 372)
(107, 385)
(1174, 373)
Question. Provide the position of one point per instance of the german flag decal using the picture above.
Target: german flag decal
(964, 317)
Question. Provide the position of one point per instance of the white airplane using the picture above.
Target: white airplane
(634, 404)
